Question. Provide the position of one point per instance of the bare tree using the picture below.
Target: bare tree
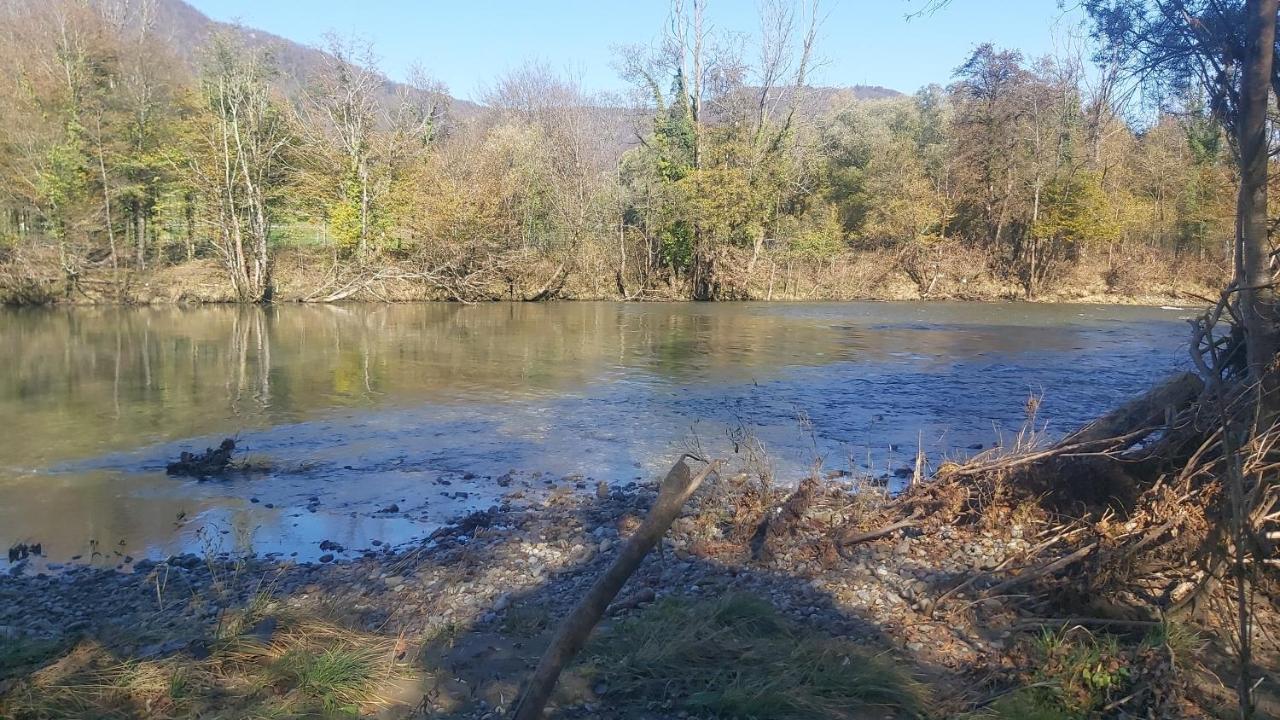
(786, 57)
(243, 166)
(571, 133)
(343, 110)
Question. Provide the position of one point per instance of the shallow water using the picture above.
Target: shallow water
(354, 408)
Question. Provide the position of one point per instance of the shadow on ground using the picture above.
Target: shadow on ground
(452, 628)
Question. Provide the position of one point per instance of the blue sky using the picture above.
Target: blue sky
(466, 43)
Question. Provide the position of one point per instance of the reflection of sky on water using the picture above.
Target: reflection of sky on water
(292, 532)
(369, 406)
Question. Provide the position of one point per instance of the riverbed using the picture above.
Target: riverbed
(370, 425)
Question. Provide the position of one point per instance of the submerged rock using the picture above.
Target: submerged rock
(212, 461)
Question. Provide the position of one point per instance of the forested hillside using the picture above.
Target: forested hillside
(150, 154)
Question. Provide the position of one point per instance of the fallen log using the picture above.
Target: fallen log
(1149, 411)
(572, 634)
(552, 286)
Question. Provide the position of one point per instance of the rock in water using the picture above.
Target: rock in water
(22, 551)
(213, 461)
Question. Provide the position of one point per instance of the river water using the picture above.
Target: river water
(349, 410)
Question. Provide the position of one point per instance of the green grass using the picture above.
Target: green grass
(1182, 643)
(736, 657)
(337, 678)
(299, 234)
(1088, 669)
(309, 667)
(1077, 673)
(21, 655)
(1028, 704)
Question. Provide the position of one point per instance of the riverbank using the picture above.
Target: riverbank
(312, 275)
(748, 586)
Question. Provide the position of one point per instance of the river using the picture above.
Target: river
(352, 409)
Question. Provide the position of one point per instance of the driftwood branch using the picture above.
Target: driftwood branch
(572, 634)
(1149, 410)
(850, 538)
(1114, 432)
(1043, 570)
(552, 286)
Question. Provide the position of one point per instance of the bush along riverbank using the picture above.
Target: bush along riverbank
(312, 275)
(979, 592)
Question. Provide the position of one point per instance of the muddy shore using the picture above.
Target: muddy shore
(476, 600)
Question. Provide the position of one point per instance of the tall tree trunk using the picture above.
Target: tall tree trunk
(1035, 243)
(189, 214)
(1257, 301)
(140, 234)
(363, 249)
(699, 8)
(106, 200)
(1253, 250)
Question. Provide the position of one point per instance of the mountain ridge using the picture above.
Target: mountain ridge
(188, 30)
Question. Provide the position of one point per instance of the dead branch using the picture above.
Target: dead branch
(553, 285)
(1086, 621)
(1042, 571)
(851, 538)
(572, 634)
(1092, 447)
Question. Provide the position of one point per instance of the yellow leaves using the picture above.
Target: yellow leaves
(905, 204)
(448, 203)
(344, 223)
(723, 200)
(1077, 209)
(820, 234)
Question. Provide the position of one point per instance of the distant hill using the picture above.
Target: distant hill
(819, 101)
(837, 96)
(187, 31)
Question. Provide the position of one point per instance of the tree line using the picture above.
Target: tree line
(722, 176)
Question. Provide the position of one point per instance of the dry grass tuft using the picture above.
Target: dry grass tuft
(285, 666)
